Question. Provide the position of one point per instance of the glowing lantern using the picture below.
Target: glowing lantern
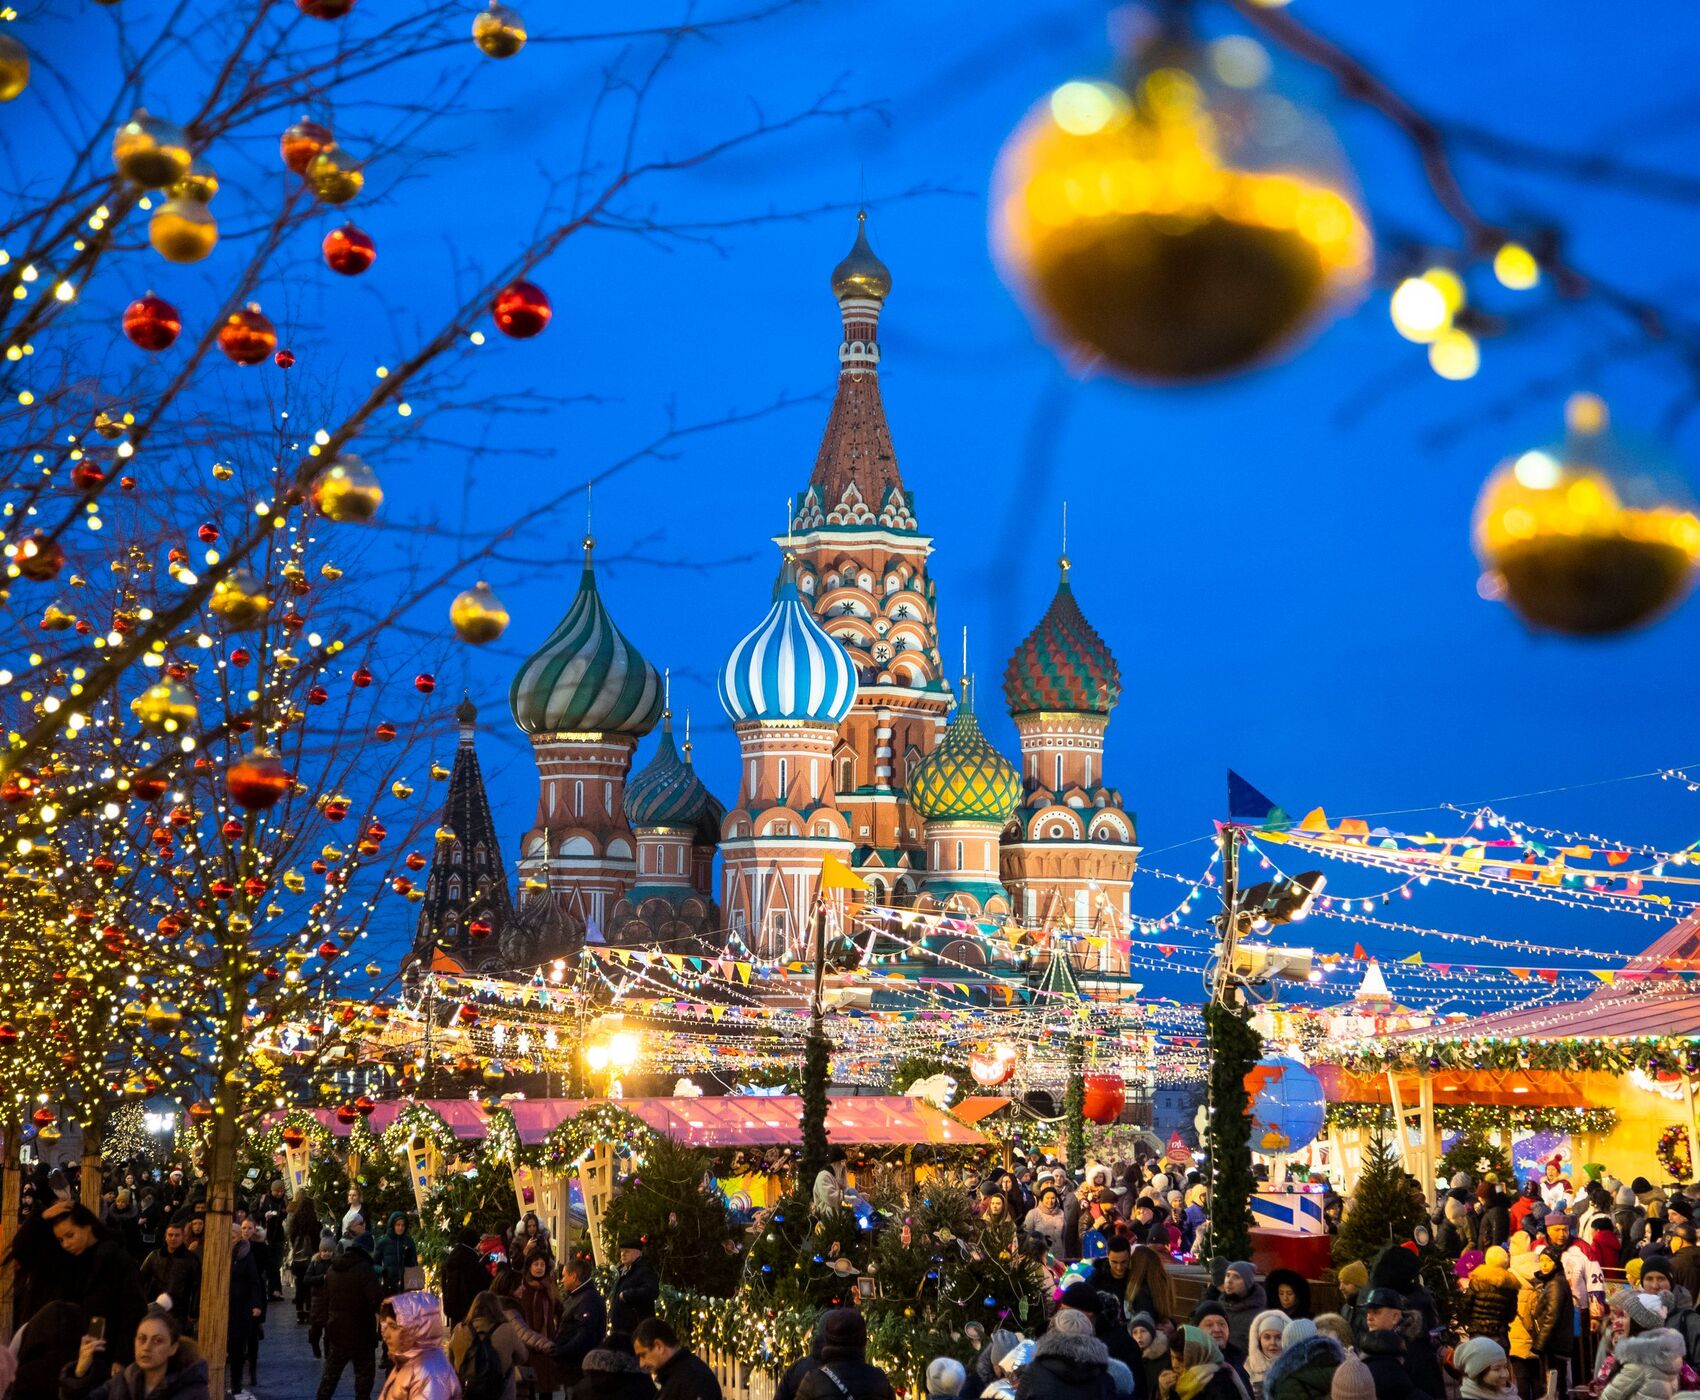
(1181, 228)
(1588, 537)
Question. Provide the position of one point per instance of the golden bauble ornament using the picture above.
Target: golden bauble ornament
(150, 152)
(166, 704)
(347, 491)
(1178, 228)
(1589, 537)
(15, 66)
(333, 176)
(478, 615)
(239, 601)
(499, 31)
(183, 230)
(199, 183)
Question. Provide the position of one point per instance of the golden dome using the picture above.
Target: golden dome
(861, 274)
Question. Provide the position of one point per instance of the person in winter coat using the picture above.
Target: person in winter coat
(611, 1373)
(313, 1287)
(103, 1279)
(1490, 1297)
(1242, 1299)
(1493, 1216)
(1288, 1290)
(1304, 1370)
(635, 1289)
(396, 1254)
(1264, 1346)
(583, 1320)
(1529, 1201)
(1049, 1221)
(1069, 1363)
(1400, 1373)
(1553, 1319)
(1213, 1322)
(1629, 1218)
(352, 1298)
(678, 1372)
(165, 1366)
(1196, 1371)
(1457, 1227)
(272, 1213)
(462, 1276)
(485, 1319)
(172, 1272)
(412, 1325)
(1486, 1370)
(1600, 1235)
(1649, 1367)
(1153, 1344)
(301, 1240)
(247, 1302)
(844, 1372)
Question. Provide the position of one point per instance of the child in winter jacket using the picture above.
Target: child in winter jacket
(317, 1305)
(1649, 1367)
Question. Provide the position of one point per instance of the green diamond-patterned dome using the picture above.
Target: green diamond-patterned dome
(965, 779)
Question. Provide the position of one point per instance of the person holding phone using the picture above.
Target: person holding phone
(103, 1278)
(165, 1365)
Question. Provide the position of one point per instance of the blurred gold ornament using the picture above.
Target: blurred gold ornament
(1589, 537)
(294, 882)
(438, 772)
(183, 231)
(478, 615)
(347, 491)
(239, 601)
(166, 704)
(1179, 228)
(56, 619)
(330, 571)
(163, 1016)
(222, 472)
(150, 152)
(401, 789)
(109, 427)
(200, 183)
(499, 31)
(15, 66)
(333, 176)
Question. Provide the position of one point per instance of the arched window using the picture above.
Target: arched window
(479, 858)
(784, 778)
(456, 855)
(578, 799)
(454, 887)
(1088, 780)
(846, 773)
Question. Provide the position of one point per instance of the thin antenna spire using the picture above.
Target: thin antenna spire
(687, 734)
(967, 684)
(667, 690)
(1063, 562)
(589, 538)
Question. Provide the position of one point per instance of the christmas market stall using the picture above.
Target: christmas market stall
(1606, 1081)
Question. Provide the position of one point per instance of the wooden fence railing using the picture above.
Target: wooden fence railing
(738, 1381)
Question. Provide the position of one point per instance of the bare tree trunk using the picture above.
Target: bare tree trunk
(213, 1334)
(89, 1178)
(11, 1197)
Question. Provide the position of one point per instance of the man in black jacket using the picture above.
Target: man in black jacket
(352, 1299)
(463, 1276)
(583, 1320)
(175, 1273)
(844, 1372)
(635, 1290)
(680, 1374)
(1398, 1375)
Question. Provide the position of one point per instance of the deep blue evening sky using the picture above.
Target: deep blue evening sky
(1281, 563)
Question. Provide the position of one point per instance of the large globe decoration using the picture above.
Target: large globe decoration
(1287, 1105)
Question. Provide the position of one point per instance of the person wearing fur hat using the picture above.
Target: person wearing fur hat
(1068, 1362)
(1289, 1291)
(1305, 1368)
(1486, 1370)
(1242, 1298)
(1649, 1367)
(1457, 1227)
(1265, 1346)
(1490, 1297)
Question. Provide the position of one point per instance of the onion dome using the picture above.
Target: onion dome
(788, 667)
(1063, 665)
(965, 779)
(667, 791)
(861, 274)
(586, 677)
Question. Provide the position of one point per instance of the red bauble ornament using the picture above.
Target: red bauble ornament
(247, 336)
(424, 682)
(284, 359)
(384, 732)
(349, 250)
(335, 808)
(44, 1116)
(469, 1015)
(232, 828)
(324, 9)
(361, 678)
(18, 786)
(478, 929)
(401, 884)
(293, 1136)
(149, 787)
(301, 142)
(317, 695)
(257, 780)
(152, 322)
(364, 1106)
(346, 1113)
(207, 534)
(200, 1110)
(8, 1037)
(1105, 1096)
(87, 475)
(328, 950)
(521, 310)
(39, 558)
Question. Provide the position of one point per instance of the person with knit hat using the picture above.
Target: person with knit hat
(1352, 1381)
(1486, 1370)
(1153, 1344)
(1265, 1347)
(1068, 1362)
(1581, 1269)
(1649, 1367)
(1490, 1297)
(1457, 1226)
(1209, 1318)
(1305, 1368)
(1242, 1298)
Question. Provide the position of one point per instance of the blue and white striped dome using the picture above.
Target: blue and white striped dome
(788, 667)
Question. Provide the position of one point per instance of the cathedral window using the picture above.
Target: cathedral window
(456, 854)
(846, 774)
(1087, 780)
(479, 858)
(784, 777)
(578, 799)
(454, 887)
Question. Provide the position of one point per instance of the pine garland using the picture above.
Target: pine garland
(1234, 1049)
(1074, 1105)
(604, 1123)
(1650, 1054)
(817, 1074)
(1482, 1118)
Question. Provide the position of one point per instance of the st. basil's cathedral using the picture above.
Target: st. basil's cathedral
(855, 745)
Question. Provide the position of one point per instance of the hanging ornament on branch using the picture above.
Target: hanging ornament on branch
(15, 65)
(521, 310)
(150, 152)
(1589, 537)
(152, 323)
(257, 780)
(247, 336)
(349, 250)
(347, 491)
(333, 175)
(183, 230)
(478, 615)
(301, 141)
(1183, 224)
(499, 31)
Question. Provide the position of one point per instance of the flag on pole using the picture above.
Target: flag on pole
(836, 875)
(1249, 807)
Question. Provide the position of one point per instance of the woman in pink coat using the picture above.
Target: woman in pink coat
(412, 1325)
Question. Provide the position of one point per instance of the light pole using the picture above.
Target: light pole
(614, 1057)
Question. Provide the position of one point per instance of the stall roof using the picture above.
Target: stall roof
(736, 1120)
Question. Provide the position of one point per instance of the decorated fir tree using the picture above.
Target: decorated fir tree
(1385, 1208)
(672, 1203)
